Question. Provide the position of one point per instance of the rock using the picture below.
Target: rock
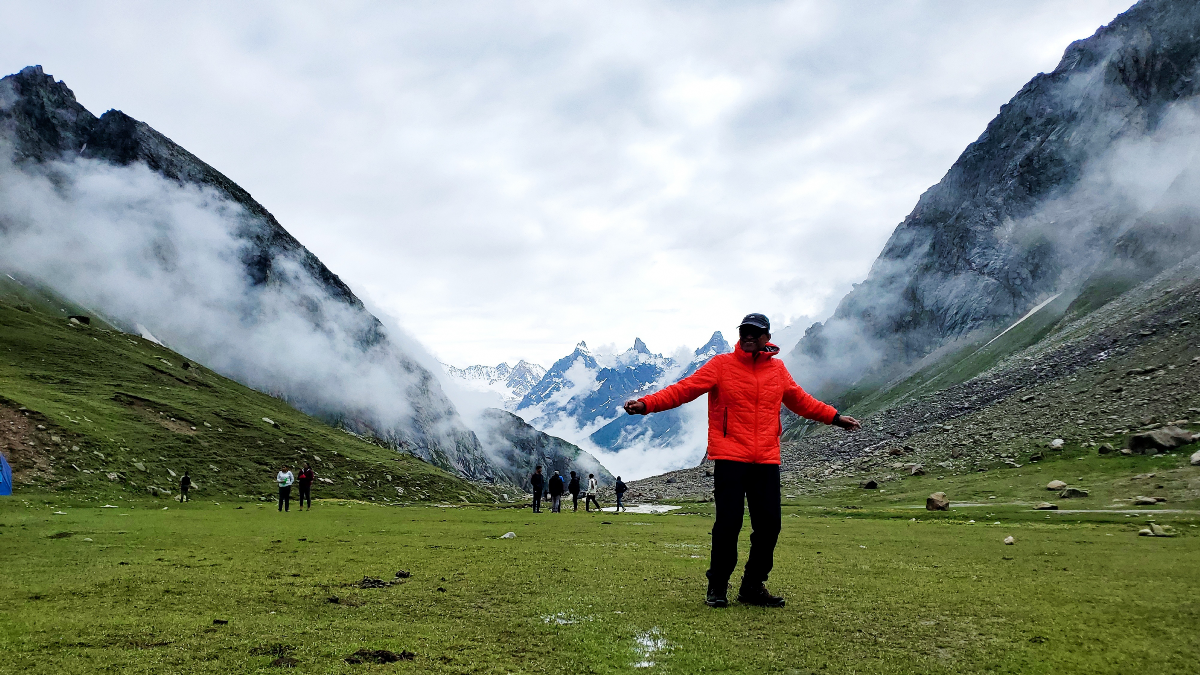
(1153, 442)
(937, 502)
(372, 582)
(1036, 457)
(139, 466)
(403, 574)
(509, 535)
(1162, 530)
(1144, 501)
(1143, 476)
(1056, 444)
(1027, 399)
(1009, 540)
(917, 470)
(1196, 458)
(1055, 485)
(1126, 451)
(1105, 449)
(869, 484)
(1145, 532)
(1072, 493)
(1046, 506)
(956, 453)
(671, 480)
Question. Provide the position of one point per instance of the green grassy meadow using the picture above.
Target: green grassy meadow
(878, 589)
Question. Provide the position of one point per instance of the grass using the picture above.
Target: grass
(121, 405)
(868, 593)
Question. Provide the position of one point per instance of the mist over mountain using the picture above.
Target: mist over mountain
(1089, 169)
(113, 215)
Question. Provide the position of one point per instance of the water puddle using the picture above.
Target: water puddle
(649, 643)
(642, 508)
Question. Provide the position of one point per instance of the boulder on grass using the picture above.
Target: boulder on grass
(1196, 458)
(1046, 506)
(937, 502)
(917, 470)
(1159, 440)
(1072, 493)
(1056, 444)
(869, 484)
(1009, 540)
(1105, 449)
(1144, 501)
(1162, 530)
(1055, 485)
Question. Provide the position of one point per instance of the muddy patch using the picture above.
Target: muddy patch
(28, 442)
(379, 656)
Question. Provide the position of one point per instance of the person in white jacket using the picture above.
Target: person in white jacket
(285, 480)
(593, 490)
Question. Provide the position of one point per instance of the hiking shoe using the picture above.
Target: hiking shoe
(759, 596)
(717, 595)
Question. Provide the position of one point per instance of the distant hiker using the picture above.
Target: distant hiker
(591, 494)
(620, 490)
(538, 482)
(745, 389)
(573, 488)
(556, 493)
(185, 484)
(305, 480)
(285, 480)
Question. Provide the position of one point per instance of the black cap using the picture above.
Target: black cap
(757, 320)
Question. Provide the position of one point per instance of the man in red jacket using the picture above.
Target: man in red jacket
(745, 390)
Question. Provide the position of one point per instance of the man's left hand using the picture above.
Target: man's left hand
(848, 423)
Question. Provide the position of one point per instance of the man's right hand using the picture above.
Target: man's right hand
(635, 407)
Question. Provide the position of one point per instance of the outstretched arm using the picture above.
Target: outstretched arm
(684, 391)
(803, 404)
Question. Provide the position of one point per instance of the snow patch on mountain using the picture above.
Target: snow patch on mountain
(511, 383)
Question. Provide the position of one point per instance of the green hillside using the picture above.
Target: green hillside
(94, 411)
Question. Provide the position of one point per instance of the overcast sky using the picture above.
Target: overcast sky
(508, 178)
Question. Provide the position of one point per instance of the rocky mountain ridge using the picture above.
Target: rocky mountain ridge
(1031, 208)
(512, 383)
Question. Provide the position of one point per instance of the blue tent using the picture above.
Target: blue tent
(5, 477)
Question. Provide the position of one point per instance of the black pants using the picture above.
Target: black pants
(591, 499)
(285, 498)
(537, 501)
(575, 501)
(183, 495)
(305, 493)
(738, 484)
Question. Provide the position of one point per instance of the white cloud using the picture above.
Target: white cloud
(508, 178)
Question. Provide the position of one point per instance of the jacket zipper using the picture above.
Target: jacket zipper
(725, 423)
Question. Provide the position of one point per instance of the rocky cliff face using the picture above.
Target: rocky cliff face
(47, 131)
(1029, 209)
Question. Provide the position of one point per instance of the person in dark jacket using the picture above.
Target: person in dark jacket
(538, 482)
(185, 484)
(620, 490)
(573, 488)
(305, 481)
(556, 492)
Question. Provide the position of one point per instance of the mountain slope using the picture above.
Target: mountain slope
(1031, 208)
(98, 412)
(522, 448)
(111, 213)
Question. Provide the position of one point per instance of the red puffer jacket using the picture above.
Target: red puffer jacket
(744, 391)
